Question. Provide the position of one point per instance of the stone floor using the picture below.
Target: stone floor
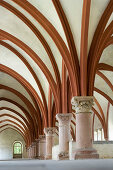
(101, 164)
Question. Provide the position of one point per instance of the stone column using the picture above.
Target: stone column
(33, 150)
(42, 147)
(64, 135)
(37, 148)
(84, 143)
(28, 152)
(49, 132)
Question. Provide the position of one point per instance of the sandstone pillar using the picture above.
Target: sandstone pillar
(83, 107)
(37, 148)
(33, 150)
(42, 147)
(49, 132)
(28, 152)
(64, 135)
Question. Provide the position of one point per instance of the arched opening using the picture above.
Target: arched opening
(17, 149)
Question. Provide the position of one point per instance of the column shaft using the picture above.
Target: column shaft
(49, 132)
(42, 147)
(64, 137)
(64, 134)
(37, 148)
(84, 130)
(28, 152)
(33, 149)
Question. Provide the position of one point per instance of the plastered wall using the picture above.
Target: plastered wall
(7, 138)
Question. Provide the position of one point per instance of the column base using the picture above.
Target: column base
(63, 156)
(41, 158)
(48, 157)
(37, 157)
(88, 153)
(34, 157)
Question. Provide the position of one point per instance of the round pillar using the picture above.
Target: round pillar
(37, 148)
(42, 147)
(28, 152)
(84, 143)
(33, 149)
(49, 132)
(64, 134)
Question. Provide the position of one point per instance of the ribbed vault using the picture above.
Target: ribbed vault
(51, 51)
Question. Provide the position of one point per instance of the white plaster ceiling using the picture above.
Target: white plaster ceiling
(107, 56)
(4, 103)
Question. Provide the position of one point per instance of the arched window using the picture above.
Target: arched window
(17, 150)
(99, 135)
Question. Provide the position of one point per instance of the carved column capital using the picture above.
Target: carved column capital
(37, 140)
(33, 144)
(42, 138)
(64, 118)
(28, 148)
(82, 104)
(49, 131)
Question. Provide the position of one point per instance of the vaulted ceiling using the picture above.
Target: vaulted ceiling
(51, 50)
